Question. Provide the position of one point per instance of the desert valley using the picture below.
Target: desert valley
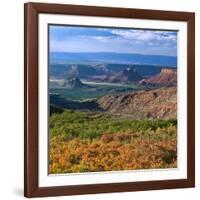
(105, 106)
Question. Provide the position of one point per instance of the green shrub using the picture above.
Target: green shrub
(92, 125)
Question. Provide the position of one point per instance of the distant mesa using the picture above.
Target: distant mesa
(167, 77)
(73, 83)
(128, 75)
(101, 71)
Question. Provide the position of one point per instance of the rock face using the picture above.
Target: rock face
(72, 83)
(128, 75)
(167, 77)
(156, 104)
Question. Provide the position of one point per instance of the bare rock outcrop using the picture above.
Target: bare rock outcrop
(155, 104)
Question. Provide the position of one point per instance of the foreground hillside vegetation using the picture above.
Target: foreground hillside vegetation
(95, 141)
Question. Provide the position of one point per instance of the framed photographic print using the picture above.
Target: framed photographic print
(109, 99)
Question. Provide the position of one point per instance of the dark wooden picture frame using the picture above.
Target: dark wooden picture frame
(31, 186)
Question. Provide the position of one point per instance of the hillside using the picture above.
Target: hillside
(92, 142)
(167, 77)
(158, 103)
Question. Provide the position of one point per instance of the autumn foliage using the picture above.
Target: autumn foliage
(136, 145)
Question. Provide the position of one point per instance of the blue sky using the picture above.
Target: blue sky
(93, 39)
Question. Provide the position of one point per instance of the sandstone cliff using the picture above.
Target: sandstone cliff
(167, 77)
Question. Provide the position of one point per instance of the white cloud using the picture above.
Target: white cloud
(120, 40)
(145, 35)
(99, 38)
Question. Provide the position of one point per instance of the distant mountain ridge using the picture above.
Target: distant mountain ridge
(85, 71)
(111, 57)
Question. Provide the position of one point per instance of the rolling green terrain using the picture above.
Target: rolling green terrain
(93, 124)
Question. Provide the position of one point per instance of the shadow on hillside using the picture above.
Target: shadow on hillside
(59, 102)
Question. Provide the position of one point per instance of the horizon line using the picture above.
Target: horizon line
(111, 52)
